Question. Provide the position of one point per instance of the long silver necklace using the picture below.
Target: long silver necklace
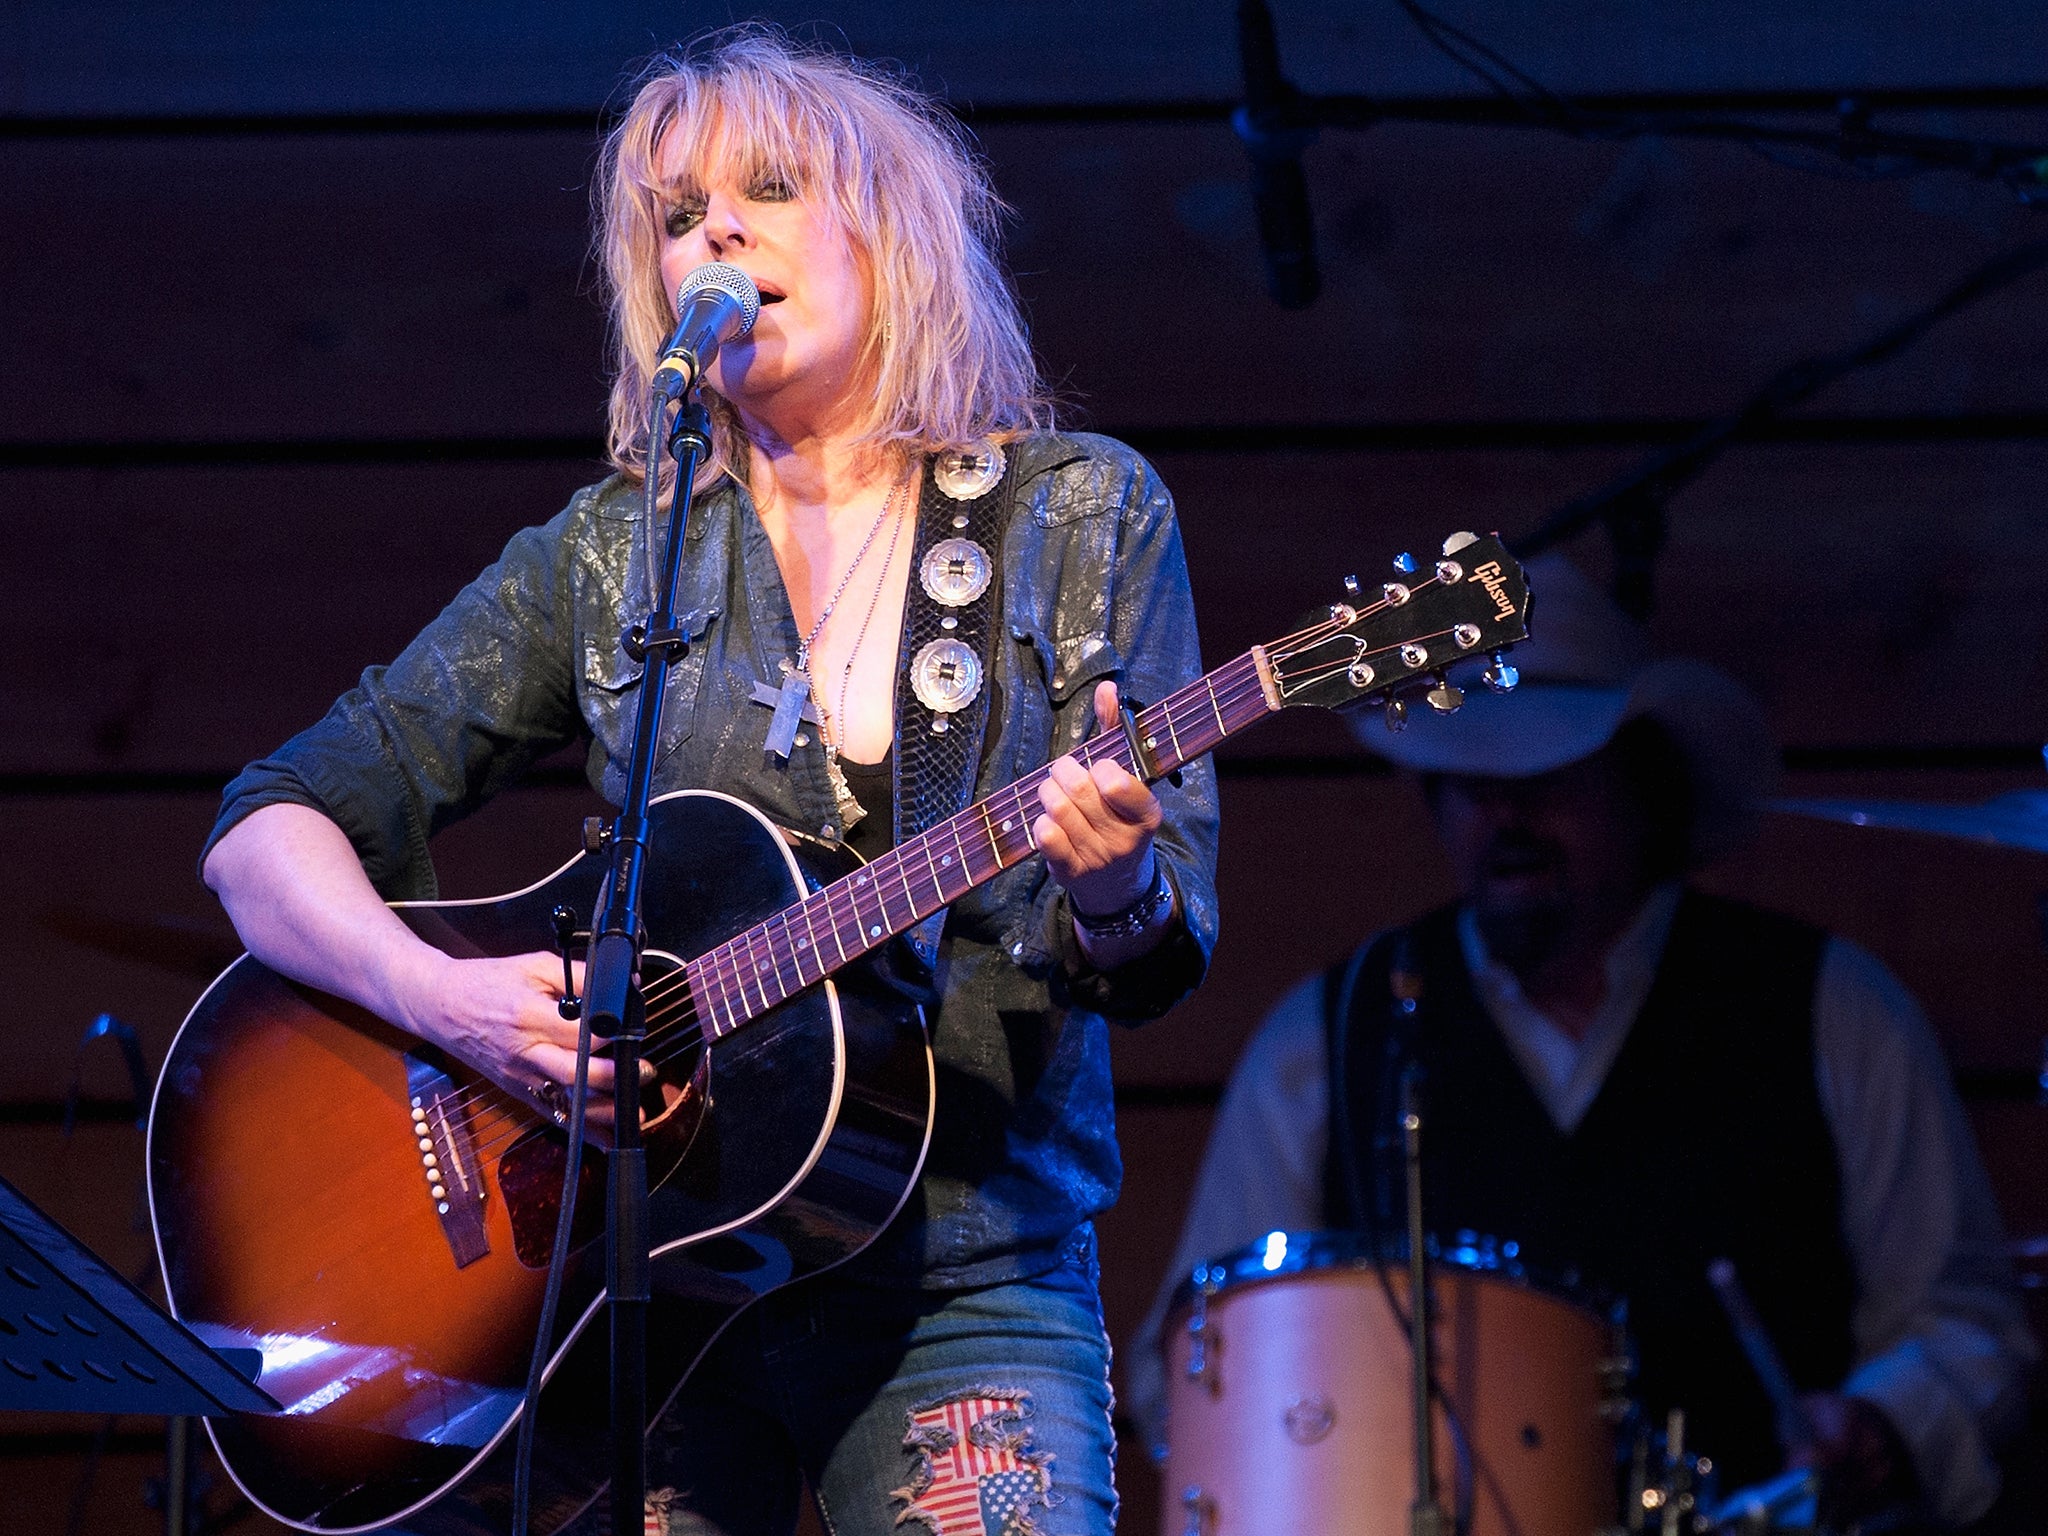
(798, 687)
(830, 721)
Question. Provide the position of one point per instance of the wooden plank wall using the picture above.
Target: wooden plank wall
(281, 375)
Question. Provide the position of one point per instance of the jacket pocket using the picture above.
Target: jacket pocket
(611, 682)
(1066, 668)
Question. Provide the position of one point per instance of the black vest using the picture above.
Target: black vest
(1707, 1140)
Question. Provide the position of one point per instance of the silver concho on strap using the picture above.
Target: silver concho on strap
(945, 675)
(955, 572)
(965, 473)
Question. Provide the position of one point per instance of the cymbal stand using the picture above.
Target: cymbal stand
(1669, 1504)
(1426, 1516)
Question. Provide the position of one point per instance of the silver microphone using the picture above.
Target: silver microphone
(715, 303)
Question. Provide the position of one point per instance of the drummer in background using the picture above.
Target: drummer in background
(1631, 1079)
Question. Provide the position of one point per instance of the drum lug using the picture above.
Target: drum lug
(1198, 1506)
(1202, 1336)
(1618, 1372)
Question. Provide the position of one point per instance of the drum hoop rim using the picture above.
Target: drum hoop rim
(1309, 1250)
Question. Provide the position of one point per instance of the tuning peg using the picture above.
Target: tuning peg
(1397, 714)
(1446, 696)
(1501, 675)
(1351, 586)
(1405, 563)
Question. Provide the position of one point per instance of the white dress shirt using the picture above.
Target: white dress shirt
(1941, 1340)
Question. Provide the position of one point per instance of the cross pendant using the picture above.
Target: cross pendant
(791, 703)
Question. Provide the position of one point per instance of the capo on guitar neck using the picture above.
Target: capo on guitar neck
(1140, 758)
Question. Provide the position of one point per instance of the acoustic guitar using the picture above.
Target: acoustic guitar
(376, 1220)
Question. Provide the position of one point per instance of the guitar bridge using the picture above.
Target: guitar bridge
(454, 1179)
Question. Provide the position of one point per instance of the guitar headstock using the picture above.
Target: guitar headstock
(1471, 602)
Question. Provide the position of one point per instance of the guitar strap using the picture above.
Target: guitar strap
(951, 613)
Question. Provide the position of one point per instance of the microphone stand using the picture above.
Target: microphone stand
(611, 992)
(1426, 1515)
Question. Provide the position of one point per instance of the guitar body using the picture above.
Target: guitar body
(377, 1220)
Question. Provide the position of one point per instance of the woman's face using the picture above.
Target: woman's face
(796, 369)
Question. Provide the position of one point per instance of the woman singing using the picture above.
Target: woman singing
(885, 399)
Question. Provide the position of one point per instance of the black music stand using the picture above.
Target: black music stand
(77, 1338)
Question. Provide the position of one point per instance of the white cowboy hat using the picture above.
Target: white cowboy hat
(1586, 670)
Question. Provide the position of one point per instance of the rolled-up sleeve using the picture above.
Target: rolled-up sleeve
(480, 694)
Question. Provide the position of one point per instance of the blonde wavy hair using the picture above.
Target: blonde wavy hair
(892, 171)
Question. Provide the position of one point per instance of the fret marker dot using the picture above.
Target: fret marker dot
(1008, 824)
(1151, 742)
(946, 859)
(875, 931)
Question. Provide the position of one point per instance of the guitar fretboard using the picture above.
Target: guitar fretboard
(771, 962)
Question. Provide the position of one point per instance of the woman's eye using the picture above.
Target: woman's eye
(772, 189)
(682, 218)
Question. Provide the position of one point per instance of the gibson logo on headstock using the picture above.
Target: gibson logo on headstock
(1491, 577)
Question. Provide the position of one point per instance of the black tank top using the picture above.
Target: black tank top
(874, 786)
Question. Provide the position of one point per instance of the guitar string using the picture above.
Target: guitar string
(668, 1043)
(749, 956)
(722, 967)
(730, 967)
(753, 954)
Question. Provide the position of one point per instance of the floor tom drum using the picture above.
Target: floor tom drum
(1288, 1394)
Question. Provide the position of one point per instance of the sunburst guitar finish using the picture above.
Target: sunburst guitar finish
(394, 1299)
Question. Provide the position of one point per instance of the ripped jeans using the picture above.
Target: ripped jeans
(948, 1413)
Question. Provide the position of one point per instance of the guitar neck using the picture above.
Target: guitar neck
(774, 960)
